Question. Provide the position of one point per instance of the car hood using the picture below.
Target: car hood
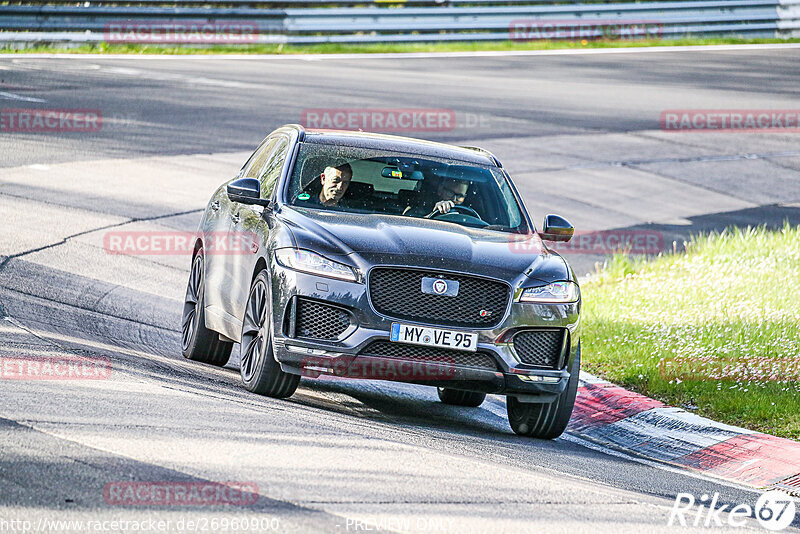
(369, 240)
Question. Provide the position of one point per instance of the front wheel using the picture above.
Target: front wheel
(198, 343)
(261, 373)
(546, 421)
(473, 399)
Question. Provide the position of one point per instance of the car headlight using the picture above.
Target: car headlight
(557, 292)
(311, 262)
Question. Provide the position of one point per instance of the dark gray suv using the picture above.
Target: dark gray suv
(373, 256)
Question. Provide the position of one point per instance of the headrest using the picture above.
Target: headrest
(359, 190)
(407, 197)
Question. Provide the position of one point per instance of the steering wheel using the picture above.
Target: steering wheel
(465, 210)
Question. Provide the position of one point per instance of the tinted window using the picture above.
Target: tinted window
(258, 159)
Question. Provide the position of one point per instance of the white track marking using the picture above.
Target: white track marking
(493, 407)
(12, 96)
(417, 55)
(658, 465)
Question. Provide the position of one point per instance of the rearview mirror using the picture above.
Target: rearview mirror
(394, 172)
(556, 228)
(246, 191)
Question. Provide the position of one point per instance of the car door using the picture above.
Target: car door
(223, 281)
(216, 223)
(249, 221)
(216, 226)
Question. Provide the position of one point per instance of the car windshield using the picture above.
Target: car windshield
(359, 180)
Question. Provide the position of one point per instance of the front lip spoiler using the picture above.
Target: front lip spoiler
(429, 373)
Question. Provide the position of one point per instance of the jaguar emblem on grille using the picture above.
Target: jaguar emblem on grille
(439, 286)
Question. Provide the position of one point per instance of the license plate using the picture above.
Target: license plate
(434, 337)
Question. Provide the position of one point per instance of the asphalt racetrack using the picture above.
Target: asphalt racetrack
(580, 135)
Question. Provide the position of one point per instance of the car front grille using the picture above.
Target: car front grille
(405, 351)
(541, 348)
(480, 303)
(319, 321)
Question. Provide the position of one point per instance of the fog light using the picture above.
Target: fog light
(306, 350)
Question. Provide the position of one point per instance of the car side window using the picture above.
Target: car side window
(272, 169)
(258, 160)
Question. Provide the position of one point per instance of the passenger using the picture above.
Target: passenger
(449, 193)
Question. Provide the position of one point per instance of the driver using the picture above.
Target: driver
(334, 183)
(450, 193)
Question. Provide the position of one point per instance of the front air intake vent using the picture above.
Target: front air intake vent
(317, 320)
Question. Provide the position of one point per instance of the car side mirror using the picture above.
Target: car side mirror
(246, 191)
(556, 228)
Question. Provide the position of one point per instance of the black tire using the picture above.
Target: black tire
(198, 343)
(261, 373)
(545, 421)
(455, 397)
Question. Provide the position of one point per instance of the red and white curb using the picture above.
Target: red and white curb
(616, 418)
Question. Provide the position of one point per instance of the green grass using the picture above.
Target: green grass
(336, 48)
(715, 329)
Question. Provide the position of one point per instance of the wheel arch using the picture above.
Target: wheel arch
(261, 264)
(198, 244)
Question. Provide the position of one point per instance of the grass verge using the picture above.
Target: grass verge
(715, 330)
(374, 48)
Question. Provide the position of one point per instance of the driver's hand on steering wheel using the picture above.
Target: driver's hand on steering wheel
(443, 206)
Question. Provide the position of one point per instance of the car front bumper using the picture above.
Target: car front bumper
(342, 356)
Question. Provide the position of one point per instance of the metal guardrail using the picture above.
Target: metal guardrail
(285, 3)
(470, 20)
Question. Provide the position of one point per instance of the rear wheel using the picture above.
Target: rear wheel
(261, 373)
(546, 421)
(461, 398)
(198, 343)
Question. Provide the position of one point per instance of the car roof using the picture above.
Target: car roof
(397, 143)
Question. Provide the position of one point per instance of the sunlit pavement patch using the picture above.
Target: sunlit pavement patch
(615, 417)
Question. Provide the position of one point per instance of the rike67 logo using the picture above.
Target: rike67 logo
(774, 511)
